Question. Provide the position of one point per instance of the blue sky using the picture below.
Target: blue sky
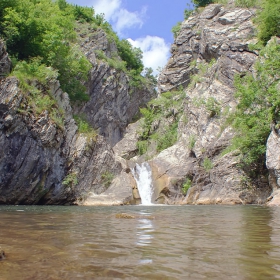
(145, 23)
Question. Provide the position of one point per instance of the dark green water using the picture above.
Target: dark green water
(181, 242)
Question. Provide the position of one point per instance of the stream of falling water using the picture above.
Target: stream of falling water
(143, 176)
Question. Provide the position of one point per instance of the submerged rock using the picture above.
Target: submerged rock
(124, 216)
(129, 216)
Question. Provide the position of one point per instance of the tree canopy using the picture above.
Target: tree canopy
(44, 29)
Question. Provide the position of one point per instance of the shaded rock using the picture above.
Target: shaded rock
(127, 147)
(120, 192)
(113, 103)
(37, 155)
(2, 254)
(5, 62)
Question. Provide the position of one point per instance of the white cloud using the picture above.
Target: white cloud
(119, 17)
(108, 7)
(124, 19)
(155, 51)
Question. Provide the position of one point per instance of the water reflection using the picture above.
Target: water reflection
(259, 241)
(145, 231)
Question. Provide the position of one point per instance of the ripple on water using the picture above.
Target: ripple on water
(184, 242)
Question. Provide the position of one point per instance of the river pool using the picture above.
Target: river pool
(160, 242)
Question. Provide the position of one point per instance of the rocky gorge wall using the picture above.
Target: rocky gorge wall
(210, 49)
(46, 162)
(43, 162)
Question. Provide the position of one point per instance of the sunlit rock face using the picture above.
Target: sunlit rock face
(211, 48)
(212, 45)
(273, 165)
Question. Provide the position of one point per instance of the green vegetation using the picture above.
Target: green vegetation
(258, 94)
(187, 13)
(269, 20)
(114, 62)
(34, 75)
(44, 29)
(207, 164)
(202, 69)
(213, 107)
(85, 128)
(107, 178)
(167, 106)
(192, 140)
(176, 29)
(259, 106)
(167, 137)
(70, 180)
(247, 3)
(201, 3)
(40, 29)
(186, 186)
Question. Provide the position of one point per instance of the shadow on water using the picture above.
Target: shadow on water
(260, 242)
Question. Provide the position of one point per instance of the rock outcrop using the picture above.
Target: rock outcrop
(113, 102)
(43, 161)
(47, 161)
(5, 62)
(211, 48)
(37, 155)
(273, 165)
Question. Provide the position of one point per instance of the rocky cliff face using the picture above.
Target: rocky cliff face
(49, 163)
(211, 48)
(45, 162)
(273, 165)
(37, 155)
(113, 102)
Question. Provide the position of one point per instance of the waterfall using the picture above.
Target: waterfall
(143, 177)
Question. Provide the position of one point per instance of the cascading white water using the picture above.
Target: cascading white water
(143, 176)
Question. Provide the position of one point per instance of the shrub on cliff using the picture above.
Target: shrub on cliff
(201, 3)
(269, 20)
(167, 110)
(41, 29)
(259, 106)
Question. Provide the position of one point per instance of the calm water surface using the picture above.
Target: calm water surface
(162, 242)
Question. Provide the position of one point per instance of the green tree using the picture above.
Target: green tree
(132, 56)
(41, 28)
(259, 106)
(269, 20)
(201, 3)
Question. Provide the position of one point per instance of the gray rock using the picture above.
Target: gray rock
(273, 165)
(5, 62)
(36, 155)
(2, 254)
(220, 35)
(113, 102)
